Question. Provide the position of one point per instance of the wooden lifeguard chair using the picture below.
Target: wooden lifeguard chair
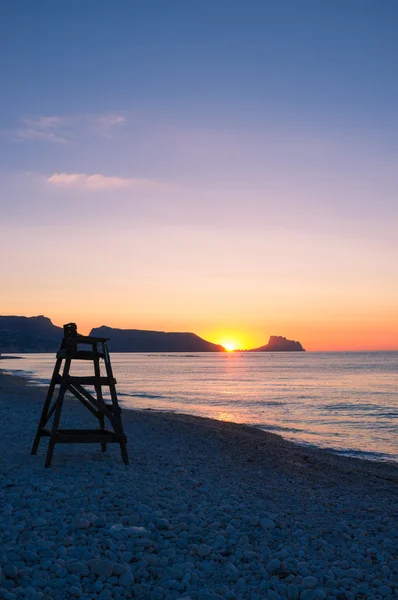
(76, 385)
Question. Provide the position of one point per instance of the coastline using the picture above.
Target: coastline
(206, 509)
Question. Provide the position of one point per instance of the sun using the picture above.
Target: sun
(229, 346)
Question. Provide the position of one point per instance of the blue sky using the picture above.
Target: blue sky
(202, 138)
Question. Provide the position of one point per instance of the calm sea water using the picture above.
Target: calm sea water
(347, 402)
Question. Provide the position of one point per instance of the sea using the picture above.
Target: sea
(346, 402)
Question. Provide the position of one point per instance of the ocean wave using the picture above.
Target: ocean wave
(280, 428)
(359, 453)
(143, 395)
(351, 407)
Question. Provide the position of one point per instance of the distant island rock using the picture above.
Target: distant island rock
(277, 343)
(139, 340)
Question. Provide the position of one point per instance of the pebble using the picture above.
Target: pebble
(385, 590)
(267, 523)
(126, 578)
(204, 550)
(162, 524)
(102, 568)
(273, 565)
(10, 571)
(292, 592)
(75, 591)
(308, 595)
(310, 582)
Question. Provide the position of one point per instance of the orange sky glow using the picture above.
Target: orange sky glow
(228, 171)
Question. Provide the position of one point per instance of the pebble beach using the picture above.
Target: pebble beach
(206, 510)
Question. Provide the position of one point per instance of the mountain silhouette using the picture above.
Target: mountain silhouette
(138, 340)
(29, 334)
(39, 334)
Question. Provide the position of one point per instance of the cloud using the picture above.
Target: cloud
(46, 122)
(48, 129)
(107, 123)
(63, 129)
(109, 120)
(98, 182)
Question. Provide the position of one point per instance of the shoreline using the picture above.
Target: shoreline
(362, 455)
(206, 510)
(19, 383)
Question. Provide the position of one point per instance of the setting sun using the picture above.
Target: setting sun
(229, 346)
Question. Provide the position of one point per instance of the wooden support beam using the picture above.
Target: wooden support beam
(86, 403)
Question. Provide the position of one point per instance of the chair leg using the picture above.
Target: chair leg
(54, 430)
(98, 391)
(57, 416)
(118, 425)
(123, 450)
(101, 420)
(47, 402)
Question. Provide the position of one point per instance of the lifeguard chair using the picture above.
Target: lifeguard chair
(62, 382)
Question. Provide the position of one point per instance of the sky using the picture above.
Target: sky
(222, 167)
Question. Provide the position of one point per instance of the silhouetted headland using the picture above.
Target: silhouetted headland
(278, 343)
(29, 334)
(137, 340)
(39, 334)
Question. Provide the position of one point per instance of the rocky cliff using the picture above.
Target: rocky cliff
(278, 343)
(138, 340)
(29, 334)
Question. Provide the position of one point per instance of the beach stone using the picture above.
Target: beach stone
(118, 569)
(204, 550)
(117, 528)
(126, 578)
(273, 565)
(230, 530)
(102, 568)
(308, 595)
(126, 556)
(267, 523)
(310, 582)
(292, 592)
(232, 572)
(98, 586)
(136, 531)
(82, 523)
(67, 541)
(31, 556)
(162, 524)
(10, 571)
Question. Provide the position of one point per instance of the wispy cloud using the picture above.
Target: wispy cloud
(67, 128)
(98, 182)
(49, 129)
(105, 124)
